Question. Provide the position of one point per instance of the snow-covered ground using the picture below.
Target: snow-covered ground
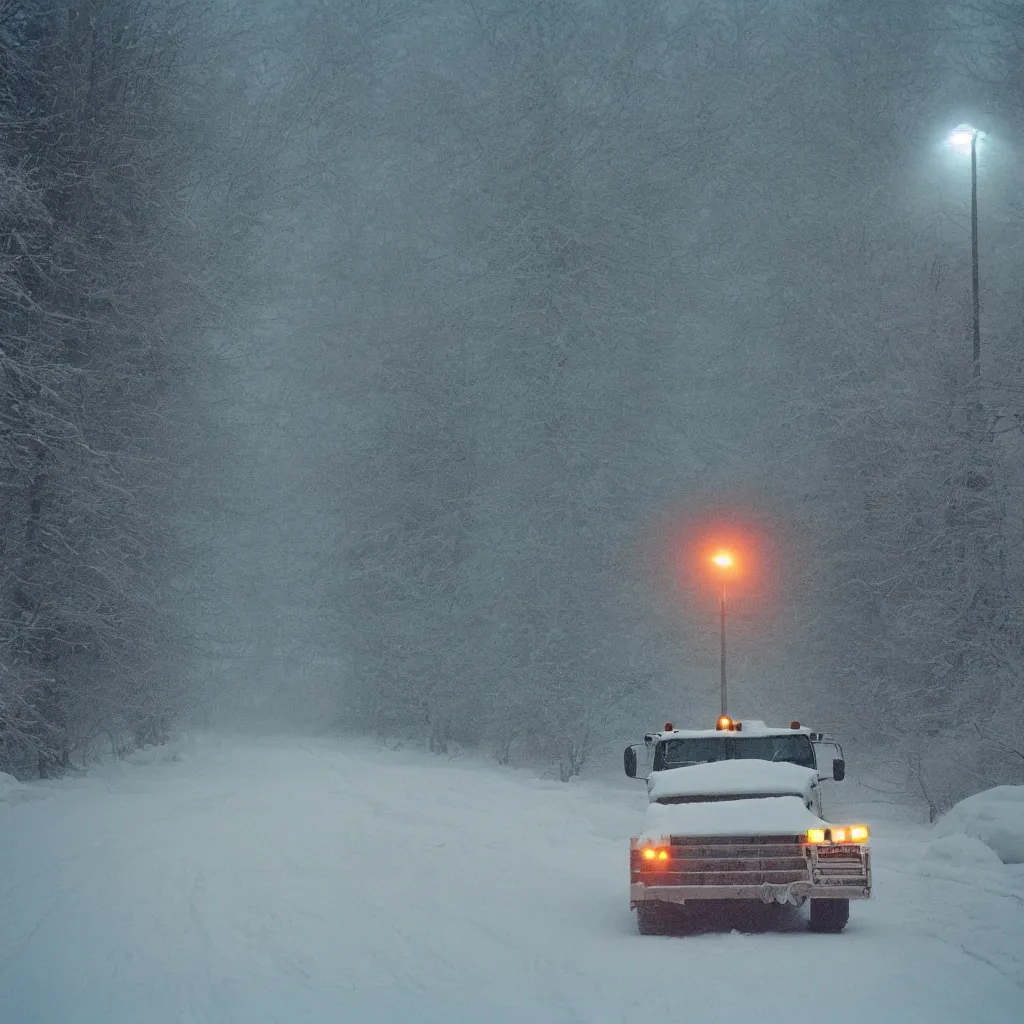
(317, 881)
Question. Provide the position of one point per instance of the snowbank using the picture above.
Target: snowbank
(14, 792)
(731, 778)
(764, 816)
(161, 753)
(960, 851)
(994, 817)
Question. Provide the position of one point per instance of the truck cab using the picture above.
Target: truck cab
(735, 812)
(731, 740)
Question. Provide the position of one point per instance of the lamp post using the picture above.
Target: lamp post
(724, 561)
(965, 138)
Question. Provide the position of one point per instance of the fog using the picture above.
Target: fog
(474, 323)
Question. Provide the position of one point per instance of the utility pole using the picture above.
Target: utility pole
(725, 563)
(975, 299)
(965, 138)
(725, 708)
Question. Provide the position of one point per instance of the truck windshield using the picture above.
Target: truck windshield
(795, 749)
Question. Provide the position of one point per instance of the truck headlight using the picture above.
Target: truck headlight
(838, 834)
(654, 853)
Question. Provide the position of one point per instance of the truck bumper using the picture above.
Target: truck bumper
(767, 892)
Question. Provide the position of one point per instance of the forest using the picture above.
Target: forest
(374, 368)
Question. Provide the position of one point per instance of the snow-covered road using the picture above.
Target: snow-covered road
(318, 881)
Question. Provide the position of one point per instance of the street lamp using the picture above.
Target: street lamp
(965, 138)
(724, 562)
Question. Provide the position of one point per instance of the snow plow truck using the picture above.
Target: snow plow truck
(735, 813)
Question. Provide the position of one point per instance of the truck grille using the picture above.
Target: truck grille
(727, 860)
(839, 865)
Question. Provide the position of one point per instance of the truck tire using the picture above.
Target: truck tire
(829, 915)
(653, 917)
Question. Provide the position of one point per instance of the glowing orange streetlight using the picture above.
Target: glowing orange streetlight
(724, 562)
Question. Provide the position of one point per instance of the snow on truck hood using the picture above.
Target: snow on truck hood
(733, 778)
(762, 816)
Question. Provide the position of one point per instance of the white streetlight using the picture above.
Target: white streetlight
(962, 137)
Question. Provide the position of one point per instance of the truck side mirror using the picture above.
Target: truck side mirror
(629, 761)
(838, 769)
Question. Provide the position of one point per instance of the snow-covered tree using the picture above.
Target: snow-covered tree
(107, 280)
